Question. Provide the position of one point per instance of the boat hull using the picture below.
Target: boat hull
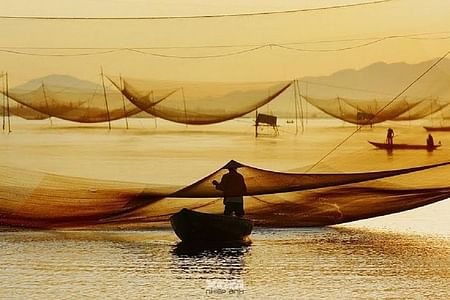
(200, 228)
(404, 146)
(444, 128)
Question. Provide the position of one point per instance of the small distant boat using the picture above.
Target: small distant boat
(404, 146)
(441, 128)
(196, 228)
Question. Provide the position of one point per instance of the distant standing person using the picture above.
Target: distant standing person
(390, 136)
(233, 186)
(430, 141)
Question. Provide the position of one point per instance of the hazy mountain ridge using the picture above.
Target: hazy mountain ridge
(381, 79)
(61, 80)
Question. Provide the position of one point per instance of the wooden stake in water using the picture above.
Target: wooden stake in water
(46, 103)
(7, 103)
(295, 107)
(106, 99)
(256, 123)
(123, 100)
(184, 102)
(4, 102)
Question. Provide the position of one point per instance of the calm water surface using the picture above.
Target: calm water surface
(315, 263)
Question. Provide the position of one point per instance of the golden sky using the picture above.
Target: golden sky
(312, 31)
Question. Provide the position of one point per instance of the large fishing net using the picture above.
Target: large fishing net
(362, 112)
(84, 105)
(410, 90)
(37, 199)
(22, 111)
(423, 109)
(198, 102)
(443, 114)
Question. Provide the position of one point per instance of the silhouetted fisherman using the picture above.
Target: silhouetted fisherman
(430, 141)
(390, 136)
(233, 186)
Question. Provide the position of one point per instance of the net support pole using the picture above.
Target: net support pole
(7, 102)
(3, 102)
(106, 98)
(256, 123)
(153, 101)
(46, 103)
(300, 105)
(184, 103)
(340, 111)
(306, 104)
(296, 107)
(123, 100)
(442, 115)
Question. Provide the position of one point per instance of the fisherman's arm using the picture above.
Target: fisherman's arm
(218, 185)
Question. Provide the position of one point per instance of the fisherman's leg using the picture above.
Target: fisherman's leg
(239, 209)
(228, 211)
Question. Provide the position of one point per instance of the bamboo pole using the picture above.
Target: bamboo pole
(152, 102)
(256, 123)
(296, 107)
(301, 106)
(106, 99)
(306, 105)
(7, 103)
(123, 101)
(184, 103)
(3, 102)
(46, 103)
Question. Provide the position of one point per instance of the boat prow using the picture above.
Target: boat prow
(198, 228)
(404, 146)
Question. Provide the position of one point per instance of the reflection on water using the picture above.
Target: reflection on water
(215, 270)
(348, 263)
(339, 262)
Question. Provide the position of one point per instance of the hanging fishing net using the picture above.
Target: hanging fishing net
(362, 112)
(416, 91)
(198, 102)
(84, 105)
(339, 204)
(443, 114)
(19, 110)
(37, 199)
(423, 109)
(311, 207)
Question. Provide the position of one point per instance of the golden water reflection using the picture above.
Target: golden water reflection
(330, 263)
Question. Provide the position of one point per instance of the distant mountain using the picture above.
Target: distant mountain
(382, 80)
(60, 81)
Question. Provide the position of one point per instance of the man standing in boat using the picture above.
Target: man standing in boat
(390, 136)
(430, 141)
(233, 186)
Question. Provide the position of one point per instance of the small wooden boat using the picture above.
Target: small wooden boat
(441, 128)
(404, 146)
(194, 227)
